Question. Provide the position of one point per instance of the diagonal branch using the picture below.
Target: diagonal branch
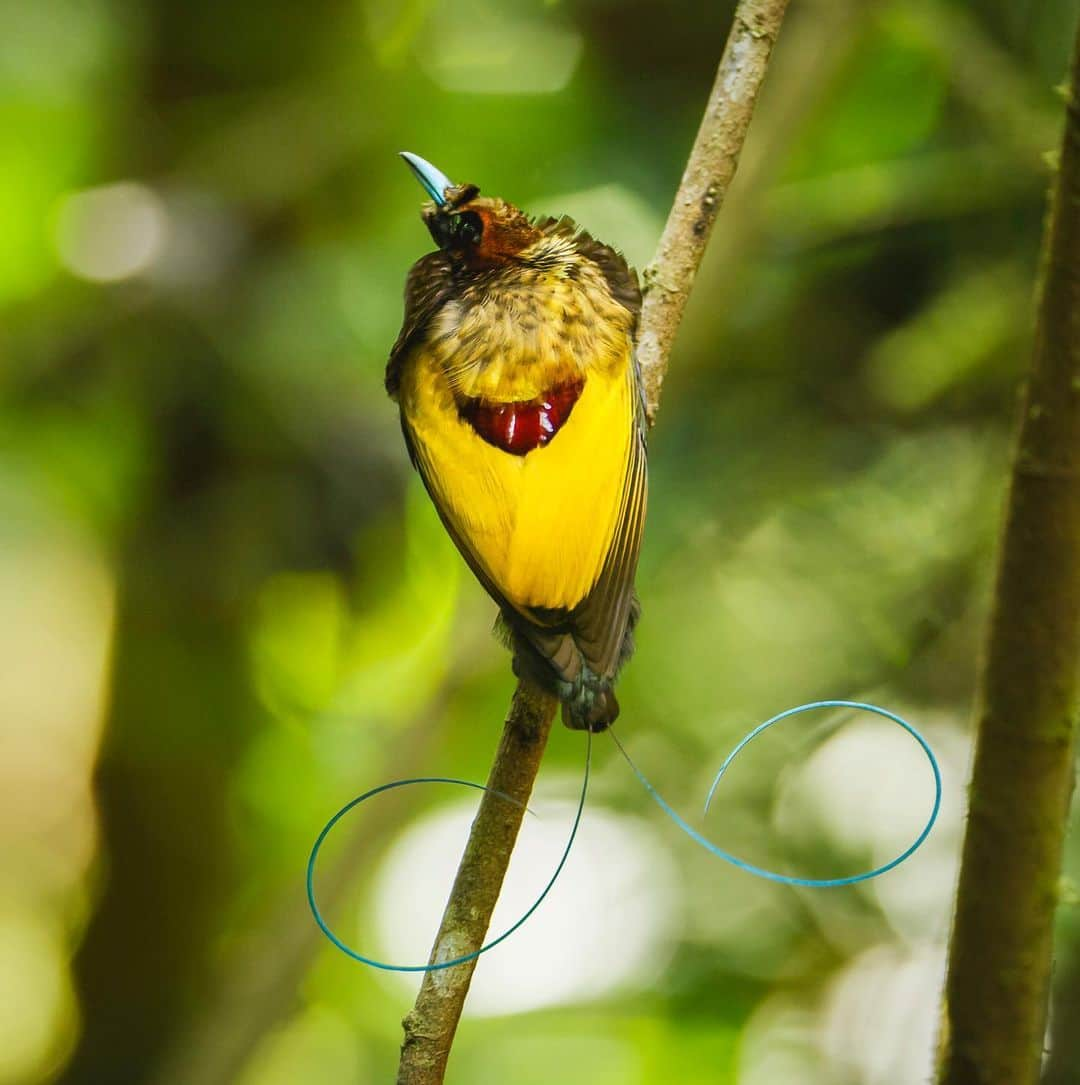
(433, 1020)
(431, 1024)
(709, 171)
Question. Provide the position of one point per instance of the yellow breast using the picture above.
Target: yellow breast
(539, 525)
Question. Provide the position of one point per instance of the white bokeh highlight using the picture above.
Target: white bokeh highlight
(483, 47)
(881, 1014)
(111, 233)
(868, 790)
(607, 925)
(874, 1023)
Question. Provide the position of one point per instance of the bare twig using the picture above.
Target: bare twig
(999, 966)
(705, 181)
(431, 1024)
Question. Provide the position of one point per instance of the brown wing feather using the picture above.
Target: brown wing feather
(427, 288)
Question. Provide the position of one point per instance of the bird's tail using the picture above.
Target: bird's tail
(591, 707)
(555, 662)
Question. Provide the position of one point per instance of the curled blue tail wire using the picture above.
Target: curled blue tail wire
(697, 837)
(772, 875)
(437, 966)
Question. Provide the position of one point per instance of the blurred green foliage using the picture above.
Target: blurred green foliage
(227, 606)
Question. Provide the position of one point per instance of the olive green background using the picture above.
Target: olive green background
(226, 606)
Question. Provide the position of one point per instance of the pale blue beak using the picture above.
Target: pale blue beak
(435, 182)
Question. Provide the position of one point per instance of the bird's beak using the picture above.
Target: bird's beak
(435, 182)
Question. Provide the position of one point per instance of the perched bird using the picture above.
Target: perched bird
(522, 409)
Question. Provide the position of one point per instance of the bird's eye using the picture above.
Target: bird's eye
(470, 227)
(454, 231)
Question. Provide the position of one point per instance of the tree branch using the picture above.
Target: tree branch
(431, 1024)
(705, 181)
(1022, 780)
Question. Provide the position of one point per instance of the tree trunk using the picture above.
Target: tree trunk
(999, 967)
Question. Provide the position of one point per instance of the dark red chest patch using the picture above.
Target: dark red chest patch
(518, 428)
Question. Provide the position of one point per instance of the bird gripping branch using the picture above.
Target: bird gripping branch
(521, 405)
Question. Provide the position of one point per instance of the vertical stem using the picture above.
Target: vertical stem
(999, 967)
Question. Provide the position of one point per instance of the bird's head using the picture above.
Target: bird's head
(474, 231)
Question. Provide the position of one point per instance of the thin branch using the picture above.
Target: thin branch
(999, 966)
(431, 1024)
(705, 181)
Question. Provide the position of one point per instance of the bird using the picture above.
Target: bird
(522, 409)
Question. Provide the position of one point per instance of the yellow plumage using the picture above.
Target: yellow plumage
(540, 524)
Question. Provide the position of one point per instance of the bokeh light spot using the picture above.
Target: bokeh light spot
(605, 925)
(111, 233)
(36, 1024)
(486, 48)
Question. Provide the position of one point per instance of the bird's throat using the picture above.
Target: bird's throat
(521, 426)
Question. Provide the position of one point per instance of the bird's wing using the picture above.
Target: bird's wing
(600, 622)
(427, 288)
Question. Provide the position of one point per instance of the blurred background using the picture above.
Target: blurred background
(226, 606)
